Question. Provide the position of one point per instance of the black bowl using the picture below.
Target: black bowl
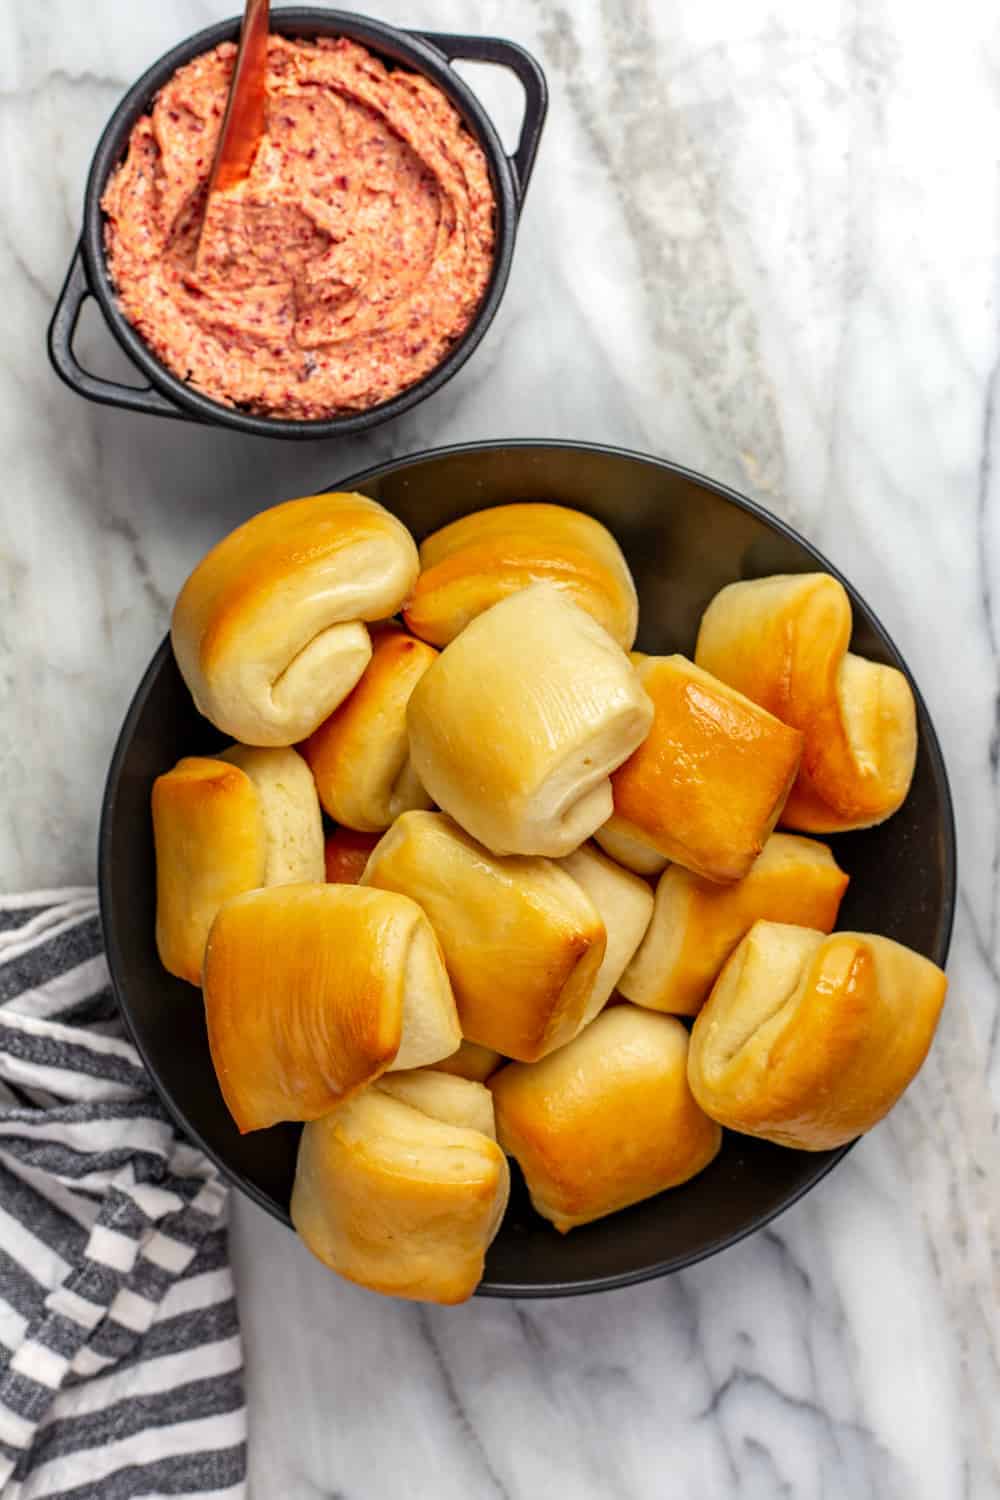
(684, 537)
(429, 53)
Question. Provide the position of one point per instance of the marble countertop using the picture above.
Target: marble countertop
(763, 239)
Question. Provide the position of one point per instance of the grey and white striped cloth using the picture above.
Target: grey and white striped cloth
(121, 1366)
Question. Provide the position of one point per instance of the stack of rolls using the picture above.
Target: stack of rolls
(404, 937)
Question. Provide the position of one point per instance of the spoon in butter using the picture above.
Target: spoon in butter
(245, 119)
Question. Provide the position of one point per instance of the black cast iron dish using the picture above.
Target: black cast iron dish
(429, 53)
(684, 537)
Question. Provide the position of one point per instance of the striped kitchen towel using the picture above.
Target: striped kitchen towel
(121, 1367)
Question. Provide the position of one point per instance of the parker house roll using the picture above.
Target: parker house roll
(515, 728)
(607, 1121)
(403, 1188)
(223, 825)
(480, 559)
(312, 991)
(808, 1040)
(523, 942)
(269, 629)
(472, 1062)
(293, 823)
(623, 846)
(346, 854)
(707, 785)
(696, 923)
(624, 904)
(360, 755)
(458, 1101)
(783, 641)
(629, 851)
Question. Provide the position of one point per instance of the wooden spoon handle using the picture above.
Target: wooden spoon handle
(245, 119)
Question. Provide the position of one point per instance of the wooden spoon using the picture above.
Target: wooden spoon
(245, 119)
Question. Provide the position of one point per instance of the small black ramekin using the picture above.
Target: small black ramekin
(429, 53)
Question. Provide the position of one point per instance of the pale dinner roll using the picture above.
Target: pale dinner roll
(472, 1062)
(293, 823)
(345, 854)
(523, 942)
(360, 755)
(783, 641)
(312, 991)
(443, 1096)
(397, 1200)
(627, 850)
(211, 844)
(517, 725)
(697, 923)
(606, 1121)
(707, 785)
(624, 904)
(482, 558)
(268, 630)
(808, 1040)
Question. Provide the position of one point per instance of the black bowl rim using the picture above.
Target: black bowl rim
(378, 471)
(378, 36)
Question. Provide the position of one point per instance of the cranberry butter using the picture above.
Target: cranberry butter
(341, 271)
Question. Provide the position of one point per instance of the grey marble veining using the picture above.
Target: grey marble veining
(763, 240)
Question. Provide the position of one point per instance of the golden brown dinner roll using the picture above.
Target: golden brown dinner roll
(783, 641)
(312, 991)
(443, 1096)
(346, 854)
(606, 1121)
(516, 726)
(627, 850)
(523, 942)
(360, 755)
(708, 784)
(472, 1062)
(293, 823)
(482, 558)
(808, 1040)
(624, 904)
(268, 629)
(400, 1201)
(210, 840)
(696, 923)
(224, 825)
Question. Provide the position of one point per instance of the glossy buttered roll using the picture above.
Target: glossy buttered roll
(293, 823)
(445, 1096)
(628, 850)
(808, 1040)
(516, 727)
(697, 923)
(313, 991)
(467, 567)
(345, 854)
(223, 825)
(783, 641)
(523, 942)
(607, 1120)
(360, 755)
(403, 1191)
(269, 630)
(624, 904)
(708, 783)
(471, 1061)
